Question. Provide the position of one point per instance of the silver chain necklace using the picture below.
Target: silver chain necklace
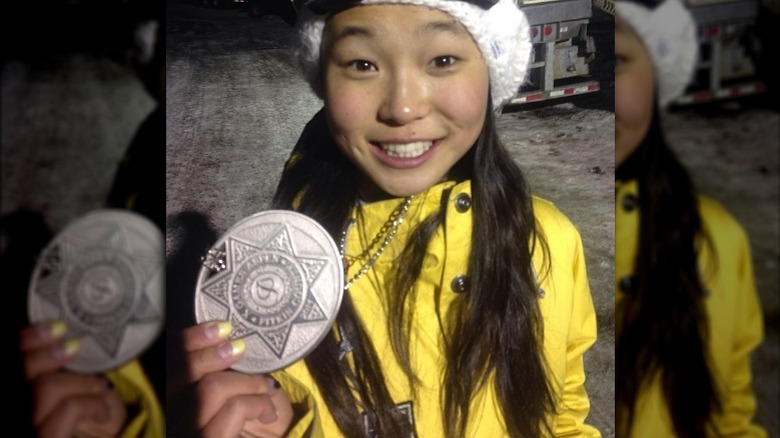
(389, 230)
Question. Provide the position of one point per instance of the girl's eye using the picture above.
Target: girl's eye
(444, 61)
(362, 65)
(619, 60)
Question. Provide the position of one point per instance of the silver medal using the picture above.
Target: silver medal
(277, 277)
(103, 275)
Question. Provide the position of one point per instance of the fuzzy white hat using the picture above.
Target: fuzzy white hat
(501, 32)
(669, 33)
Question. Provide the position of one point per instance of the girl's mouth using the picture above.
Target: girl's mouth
(405, 150)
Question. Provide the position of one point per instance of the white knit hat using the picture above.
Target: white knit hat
(501, 32)
(669, 33)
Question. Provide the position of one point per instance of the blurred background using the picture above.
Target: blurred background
(726, 131)
(79, 87)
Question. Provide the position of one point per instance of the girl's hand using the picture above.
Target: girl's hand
(66, 404)
(232, 404)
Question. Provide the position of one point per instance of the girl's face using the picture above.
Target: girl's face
(634, 90)
(406, 92)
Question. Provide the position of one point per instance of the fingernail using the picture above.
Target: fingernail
(67, 349)
(269, 416)
(230, 349)
(218, 330)
(273, 383)
(52, 330)
(108, 385)
(102, 415)
(57, 329)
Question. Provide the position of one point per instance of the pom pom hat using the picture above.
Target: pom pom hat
(669, 34)
(499, 29)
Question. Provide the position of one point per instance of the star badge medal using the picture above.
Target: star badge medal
(103, 275)
(277, 277)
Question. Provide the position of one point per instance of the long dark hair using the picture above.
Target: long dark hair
(498, 330)
(661, 322)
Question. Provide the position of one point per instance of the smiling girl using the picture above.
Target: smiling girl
(467, 310)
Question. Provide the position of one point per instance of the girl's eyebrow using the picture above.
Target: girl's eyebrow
(350, 31)
(448, 26)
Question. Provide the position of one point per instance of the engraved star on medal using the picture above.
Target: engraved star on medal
(102, 275)
(276, 279)
(274, 295)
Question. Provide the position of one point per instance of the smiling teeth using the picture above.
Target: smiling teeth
(408, 150)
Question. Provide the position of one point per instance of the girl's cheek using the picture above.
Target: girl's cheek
(633, 99)
(464, 101)
(342, 96)
(344, 110)
(622, 98)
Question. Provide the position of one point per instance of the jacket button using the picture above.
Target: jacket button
(625, 284)
(630, 202)
(462, 202)
(460, 284)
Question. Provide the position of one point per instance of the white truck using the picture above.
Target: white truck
(565, 48)
(729, 51)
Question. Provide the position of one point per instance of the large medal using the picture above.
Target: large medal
(277, 277)
(103, 275)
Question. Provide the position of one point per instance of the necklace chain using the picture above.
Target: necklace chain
(388, 230)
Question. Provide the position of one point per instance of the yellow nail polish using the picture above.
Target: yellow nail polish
(224, 328)
(57, 329)
(218, 330)
(229, 349)
(66, 349)
(71, 347)
(238, 346)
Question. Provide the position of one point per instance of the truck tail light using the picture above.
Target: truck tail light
(714, 30)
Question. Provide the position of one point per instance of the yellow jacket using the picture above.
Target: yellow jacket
(134, 389)
(735, 317)
(567, 309)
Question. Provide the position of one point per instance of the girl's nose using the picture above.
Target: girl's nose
(405, 100)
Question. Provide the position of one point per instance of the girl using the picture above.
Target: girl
(467, 310)
(686, 305)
